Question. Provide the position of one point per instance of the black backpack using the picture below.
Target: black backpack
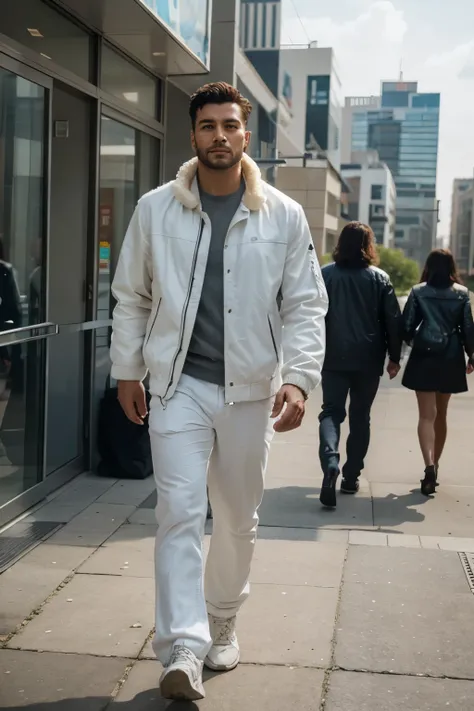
(124, 447)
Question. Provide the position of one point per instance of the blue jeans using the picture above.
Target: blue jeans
(361, 387)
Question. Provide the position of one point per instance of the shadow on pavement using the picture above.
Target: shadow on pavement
(298, 507)
(144, 701)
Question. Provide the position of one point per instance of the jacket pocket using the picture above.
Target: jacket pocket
(272, 336)
(153, 322)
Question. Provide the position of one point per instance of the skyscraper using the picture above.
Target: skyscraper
(403, 126)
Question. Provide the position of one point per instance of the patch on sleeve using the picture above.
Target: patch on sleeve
(312, 259)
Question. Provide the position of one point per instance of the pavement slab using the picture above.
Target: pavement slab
(93, 614)
(129, 552)
(318, 535)
(383, 692)
(93, 525)
(47, 566)
(288, 624)
(401, 508)
(57, 682)
(298, 563)
(405, 611)
(294, 502)
(128, 492)
(247, 687)
(284, 624)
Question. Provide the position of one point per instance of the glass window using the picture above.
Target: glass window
(377, 192)
(22, 366)
(128, 82)
(129, 167)
(48, 32)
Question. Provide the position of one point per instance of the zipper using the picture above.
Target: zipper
(185, 309)
(273, 339)
(154, 321)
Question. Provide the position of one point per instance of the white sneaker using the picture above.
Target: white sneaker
(224, 654)
(182, 677)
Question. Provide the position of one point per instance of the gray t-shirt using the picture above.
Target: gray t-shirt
(205, 358)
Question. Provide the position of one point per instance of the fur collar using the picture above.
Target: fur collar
(186, 191)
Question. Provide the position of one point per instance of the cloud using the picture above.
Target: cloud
(458, 61)
(368, 48)
(381, 23)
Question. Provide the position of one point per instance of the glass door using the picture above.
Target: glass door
(23, 331)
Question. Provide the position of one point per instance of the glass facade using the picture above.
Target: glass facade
(128, 82)
(65, 202)
(129, 161)
(22, 281)
(53, 36)
(405, 134)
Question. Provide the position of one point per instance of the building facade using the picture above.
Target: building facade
(462, 225)
(403, 126)
(309, 84)
(93, 114)
(373, 195)
(317, 187)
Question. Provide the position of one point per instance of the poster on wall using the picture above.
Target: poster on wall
(189, 19)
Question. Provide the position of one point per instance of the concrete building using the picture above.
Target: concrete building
(310, 86)
(372, 199)
(403, 126)
(462, 225)
(317, 187)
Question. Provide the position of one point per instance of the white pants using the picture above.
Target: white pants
(197, 429)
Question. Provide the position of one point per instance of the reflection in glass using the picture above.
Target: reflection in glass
(39, 27)
(129, 162)
(128, 82)
(22, 107)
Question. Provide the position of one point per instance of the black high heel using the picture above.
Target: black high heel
(428, 484)
(436, 472)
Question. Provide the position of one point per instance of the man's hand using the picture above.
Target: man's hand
(393, 369)
(131, 395)
(470, 368)
(293, 414)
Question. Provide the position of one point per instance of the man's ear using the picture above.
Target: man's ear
(248, 137)
(193, 140)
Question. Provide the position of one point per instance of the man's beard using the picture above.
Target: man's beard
(221, 164)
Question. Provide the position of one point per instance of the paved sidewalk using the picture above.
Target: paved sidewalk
(365, 608)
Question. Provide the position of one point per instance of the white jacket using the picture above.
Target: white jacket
(274, 296)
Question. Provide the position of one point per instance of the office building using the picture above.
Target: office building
(93, 113)
(372, 199)
(462, 225)
(317, 186)
(311, 88)
(403, 126)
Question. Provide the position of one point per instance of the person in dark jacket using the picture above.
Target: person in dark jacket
(438, 324)
(363, 323)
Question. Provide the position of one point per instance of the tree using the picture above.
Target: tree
(403, 272)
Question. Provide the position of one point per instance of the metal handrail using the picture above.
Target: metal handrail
(10, 337)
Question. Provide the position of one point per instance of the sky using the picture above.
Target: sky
(434, 40)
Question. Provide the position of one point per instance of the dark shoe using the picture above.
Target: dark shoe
(328, 490)
(428, 484)
(350, 486)
(437, 470)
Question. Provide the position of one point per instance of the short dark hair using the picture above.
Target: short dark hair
(218, 93)
(356, 246)
(440, 269)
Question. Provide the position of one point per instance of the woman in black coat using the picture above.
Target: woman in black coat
(438, 324)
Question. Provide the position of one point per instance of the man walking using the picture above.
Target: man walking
(220, 296)
(363, 323)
